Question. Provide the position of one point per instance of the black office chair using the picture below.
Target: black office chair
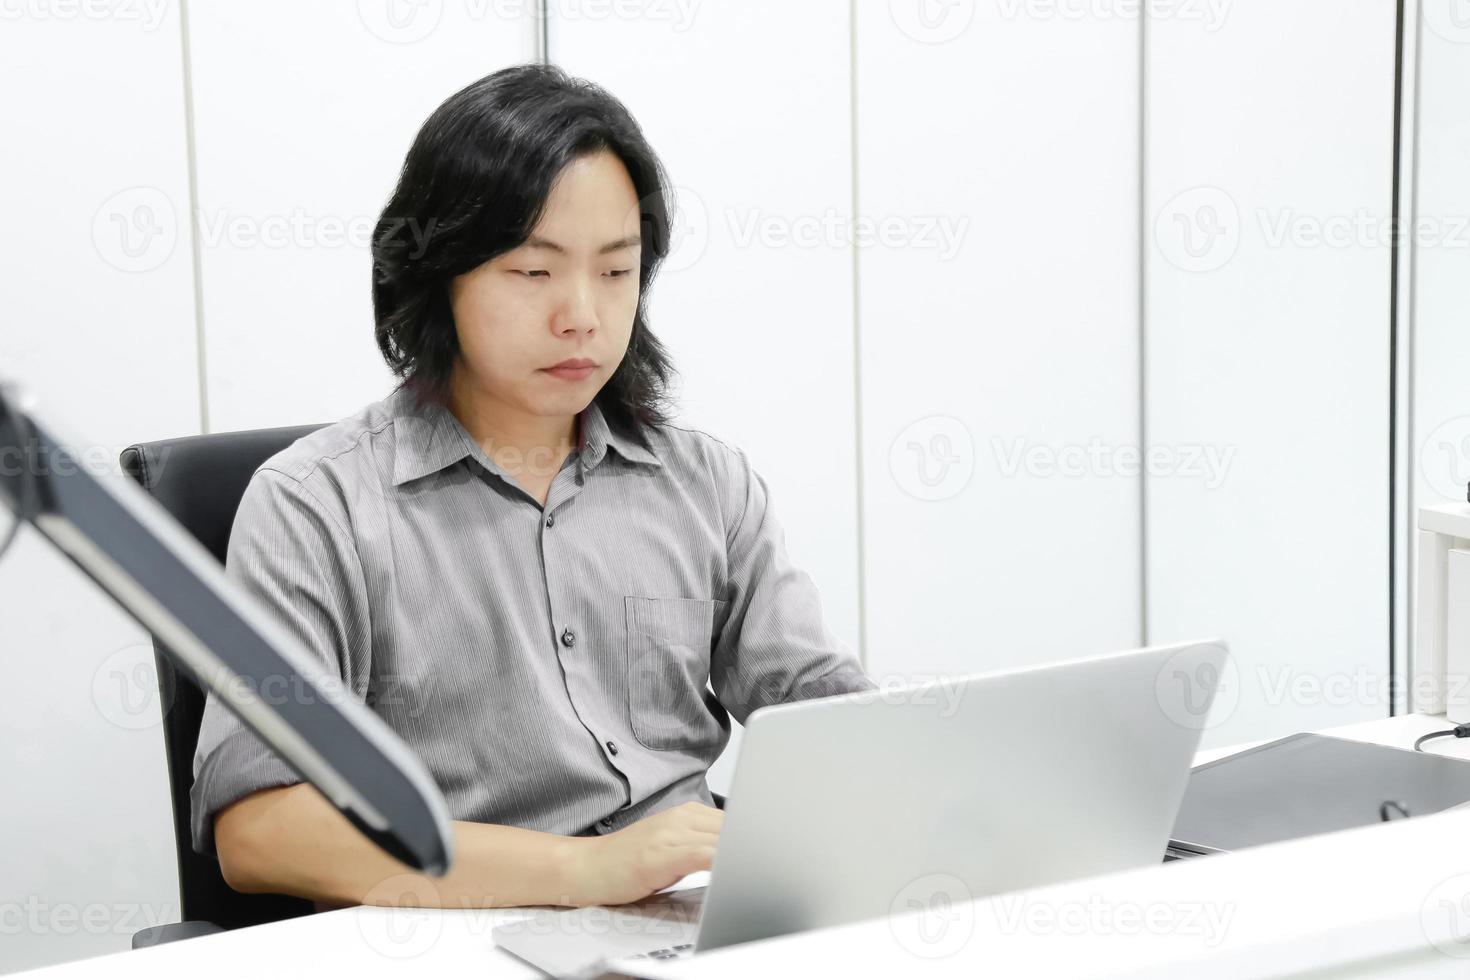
(200, 480)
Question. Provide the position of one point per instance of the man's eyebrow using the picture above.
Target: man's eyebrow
(617, 246)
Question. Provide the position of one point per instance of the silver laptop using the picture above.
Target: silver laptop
(842, 808)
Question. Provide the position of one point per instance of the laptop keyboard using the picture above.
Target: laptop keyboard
(671, 953)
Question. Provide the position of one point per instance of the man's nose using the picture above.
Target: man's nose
(578, 310)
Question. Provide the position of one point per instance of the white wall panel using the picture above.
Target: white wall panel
(1439, 459)
(1269, 194)
(1442, 272)
(998, 145)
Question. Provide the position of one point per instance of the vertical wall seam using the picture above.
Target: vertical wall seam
(1143, 401)
(195, 250)
(543, 39)
(1402, 522)
(857, 340)
(1394, 442)
(1410, 349)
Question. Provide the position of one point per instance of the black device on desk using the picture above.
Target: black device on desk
(1310, 784)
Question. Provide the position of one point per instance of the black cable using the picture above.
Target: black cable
(1459, 731)
(26, 498)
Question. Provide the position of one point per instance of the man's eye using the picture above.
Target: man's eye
(618, 273)
(531, 273)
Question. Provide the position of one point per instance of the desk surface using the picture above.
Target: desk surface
(1219, 905)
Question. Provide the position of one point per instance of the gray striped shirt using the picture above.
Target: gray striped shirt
(566, 669)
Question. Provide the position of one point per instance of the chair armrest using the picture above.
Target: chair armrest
(173, 932)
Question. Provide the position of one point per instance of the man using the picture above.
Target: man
(514, 558)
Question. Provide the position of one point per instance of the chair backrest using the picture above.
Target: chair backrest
(200, 481)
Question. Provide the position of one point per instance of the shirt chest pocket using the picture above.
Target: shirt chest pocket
(668, 651)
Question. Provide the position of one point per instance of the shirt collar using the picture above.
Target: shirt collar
(598, 437)
(426, 438)
(429, 438)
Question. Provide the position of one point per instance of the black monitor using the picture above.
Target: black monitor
(134, 549)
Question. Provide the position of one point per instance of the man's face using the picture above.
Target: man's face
(570, 291)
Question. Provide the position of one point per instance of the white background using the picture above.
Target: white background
(1441, 404)
(945, 415)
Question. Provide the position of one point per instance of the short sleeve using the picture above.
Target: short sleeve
(294, 554)
(774, 646)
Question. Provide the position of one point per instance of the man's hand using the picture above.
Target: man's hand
(646, 856)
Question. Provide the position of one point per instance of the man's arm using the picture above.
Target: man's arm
(774, 645)
(292, 841)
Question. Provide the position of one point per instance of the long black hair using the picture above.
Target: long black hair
(473, 186)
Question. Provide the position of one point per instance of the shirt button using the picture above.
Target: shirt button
(612, 747)
(568, 638)
(550, 521)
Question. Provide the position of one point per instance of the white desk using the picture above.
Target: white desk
(1330, 899)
